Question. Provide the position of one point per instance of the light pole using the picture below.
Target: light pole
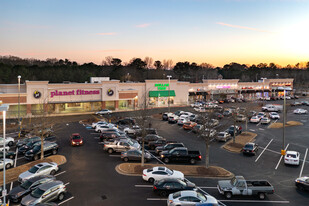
(284, 120)
(263, 96)
(4, 108)
(169, 82)
(19, 123)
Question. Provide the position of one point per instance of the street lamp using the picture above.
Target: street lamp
(4, 108)
(19, 123)
(263, 96)
(169, 82)
(284, 120)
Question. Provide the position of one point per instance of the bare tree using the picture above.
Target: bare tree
(149, 62)
(108, 61)
(167, 64)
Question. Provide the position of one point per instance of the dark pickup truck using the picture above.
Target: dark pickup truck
(168, 147)
(180, 154)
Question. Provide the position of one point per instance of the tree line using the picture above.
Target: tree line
(137, 70)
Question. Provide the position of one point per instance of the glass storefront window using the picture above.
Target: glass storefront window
(110, 105)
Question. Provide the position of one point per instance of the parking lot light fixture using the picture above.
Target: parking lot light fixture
(284, 120)
(169, 82)
(19, 122)
(4, 108)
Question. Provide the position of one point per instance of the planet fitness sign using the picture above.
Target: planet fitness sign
(74, 92)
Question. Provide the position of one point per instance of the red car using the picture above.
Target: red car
(76, 139)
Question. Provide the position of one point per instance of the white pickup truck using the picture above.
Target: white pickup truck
(239, 186)
(272, 108)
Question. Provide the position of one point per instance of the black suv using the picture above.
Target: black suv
(126, 121)
(149, 138)
(49, 148)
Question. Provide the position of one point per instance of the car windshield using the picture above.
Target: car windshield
(248, 146)
(37, 193)
(26, 185)
(176, 195)
(182, 182)
(130, 143)
(170, 172)
(291, 155)
(233, 181)
(76, 137)
(201, 196)
(221, 134)
(33, 169)
(37, 148)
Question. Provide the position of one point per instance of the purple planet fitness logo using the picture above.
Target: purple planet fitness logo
(37, 94)
(74, 92)
(110, 92)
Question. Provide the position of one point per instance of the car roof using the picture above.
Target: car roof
(48, 185)
(36, 178)
(188, 193)
(42, 164)
(159, 168)
(75, 134)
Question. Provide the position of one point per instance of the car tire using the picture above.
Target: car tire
(54, 152)
(10, 144)
(126, 159)
(228, 195)
(163, 193)
(192, 161)
(36, 157)
(166, 160)
(8, 165)
(53, 172)
(110, 150)
(300, 187)
(61, 196)
(261, 195)
(151, 180)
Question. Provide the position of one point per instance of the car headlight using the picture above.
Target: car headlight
(162, 156)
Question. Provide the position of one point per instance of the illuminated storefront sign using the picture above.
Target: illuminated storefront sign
(223, 87)
(161, 86)
(74, 92)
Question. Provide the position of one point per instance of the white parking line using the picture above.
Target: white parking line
(276, 121)
(65, 200)
(66, 184)
(143, 185)
(115, 155)
(261, 129)
(263, 150)
(180, 128)
(281, 157)
(302, 167)
(252, 130)
(147, 186)
(19, 157)
(258, 124)
(190, 131)
(60, 173)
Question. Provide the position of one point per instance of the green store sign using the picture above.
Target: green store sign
(161, 86)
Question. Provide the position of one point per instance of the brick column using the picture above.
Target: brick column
(116, 104)
(103, 105)
(28, 108)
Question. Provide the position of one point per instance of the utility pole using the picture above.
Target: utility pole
(263, 96)
(284, 120)
(19, 122)
(169, 82)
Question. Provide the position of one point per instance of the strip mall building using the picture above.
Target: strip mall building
(102, 93)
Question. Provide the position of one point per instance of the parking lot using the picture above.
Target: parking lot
(91, 179)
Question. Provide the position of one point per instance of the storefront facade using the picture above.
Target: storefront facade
(36, 97)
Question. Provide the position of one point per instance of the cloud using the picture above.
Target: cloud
(242, 27)
(143, 25)
(107, 34)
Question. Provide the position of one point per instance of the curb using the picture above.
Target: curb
(229, 150)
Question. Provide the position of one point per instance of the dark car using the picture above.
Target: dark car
(302, 183)
(160, 142)
(232, 130)
(168, 147)
(227, 113)
(76, 139)
(49, 148)
(250, 148)
(167, 186)
(135, 155)
(219, 115)
(23, 149)
(109, 136)
(8, 154)
(149, 138)
(126, 121)
(27, 140)
(18, 192)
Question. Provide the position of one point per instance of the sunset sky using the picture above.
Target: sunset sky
(213, 31)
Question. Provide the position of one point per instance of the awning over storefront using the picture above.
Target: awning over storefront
(162, 93)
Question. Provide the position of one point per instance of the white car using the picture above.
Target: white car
(291, 158)
(94, 124)
(300, 111)
(261, 115)
(190, 197)
(104, 111)
(274, 115)
(8, 141)
(131, 130)
(181, 121)
(255, 119)
(159, 173)
(44, 168)
(186, 115)
(265, 120)
(200, 109)
(7, 162)
(102, 128)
